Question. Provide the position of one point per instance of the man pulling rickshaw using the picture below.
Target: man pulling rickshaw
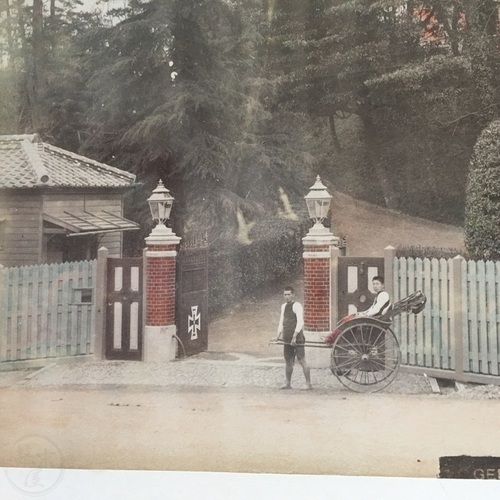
(365, 352)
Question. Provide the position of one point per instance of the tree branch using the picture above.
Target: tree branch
(468, 115)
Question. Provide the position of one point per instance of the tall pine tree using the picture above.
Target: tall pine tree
(176, 88)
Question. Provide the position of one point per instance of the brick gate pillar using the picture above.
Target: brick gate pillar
(160, 343)
(320, 251)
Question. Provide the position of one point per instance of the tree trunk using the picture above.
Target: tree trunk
(333, 133)
(10, 41)
(451, 23)
(372, 159)
(38, 47)
(26, 115)
(21, 25)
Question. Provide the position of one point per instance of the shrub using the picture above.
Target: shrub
(421, 252)
(482, 206)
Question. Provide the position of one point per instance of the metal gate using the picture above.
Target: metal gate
(192, 295)
(124, 309)
(355, 274)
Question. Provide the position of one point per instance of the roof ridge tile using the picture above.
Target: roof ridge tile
(32, 152)
(20, 137)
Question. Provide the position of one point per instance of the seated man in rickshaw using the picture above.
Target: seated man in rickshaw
(380, 309)
(381, 306)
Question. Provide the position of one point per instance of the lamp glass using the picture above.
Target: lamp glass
(318, 208)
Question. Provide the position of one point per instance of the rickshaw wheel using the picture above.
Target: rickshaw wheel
(365, 356)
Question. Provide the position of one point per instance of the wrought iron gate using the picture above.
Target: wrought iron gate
(124, 309)
(355, 276)
(192, 294)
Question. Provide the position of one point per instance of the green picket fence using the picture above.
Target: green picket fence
(47, 310)
(457, 335)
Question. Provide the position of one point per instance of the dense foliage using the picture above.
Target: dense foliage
(416, 84)
(482, 218)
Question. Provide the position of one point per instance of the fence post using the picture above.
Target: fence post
(335, 253)
(144, 295)
(456, 315)
(389, 255)
(3, 309)
(100, 303)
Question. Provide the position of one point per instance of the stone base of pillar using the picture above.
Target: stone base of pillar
(317, 357)
(159, 343)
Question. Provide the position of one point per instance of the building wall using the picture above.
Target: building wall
(21, 222)
(21, 229)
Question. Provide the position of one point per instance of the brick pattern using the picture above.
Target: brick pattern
(317, 291)
(160, 288)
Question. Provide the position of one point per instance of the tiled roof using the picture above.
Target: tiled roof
(26, 162)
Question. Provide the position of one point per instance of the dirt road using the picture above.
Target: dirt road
(245, 431)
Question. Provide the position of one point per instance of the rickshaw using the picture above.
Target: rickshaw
(365, 353)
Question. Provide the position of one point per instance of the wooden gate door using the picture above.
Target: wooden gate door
(355, 276)
(124, 309)
(192, 295)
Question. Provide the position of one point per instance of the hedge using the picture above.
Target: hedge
(421, 252)
(482, 206)
(275, 254)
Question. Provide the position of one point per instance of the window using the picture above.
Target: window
(83, 295)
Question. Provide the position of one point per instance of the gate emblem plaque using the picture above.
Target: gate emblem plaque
(194, 322)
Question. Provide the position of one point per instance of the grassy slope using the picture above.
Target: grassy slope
(369, 228)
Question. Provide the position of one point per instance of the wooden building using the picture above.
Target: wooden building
(57, 206)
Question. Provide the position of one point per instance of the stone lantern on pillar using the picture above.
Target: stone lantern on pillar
(318, 205)
(160, 256)
(160, 204)
(320, 245)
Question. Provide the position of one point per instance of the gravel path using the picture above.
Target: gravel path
(217, 370)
